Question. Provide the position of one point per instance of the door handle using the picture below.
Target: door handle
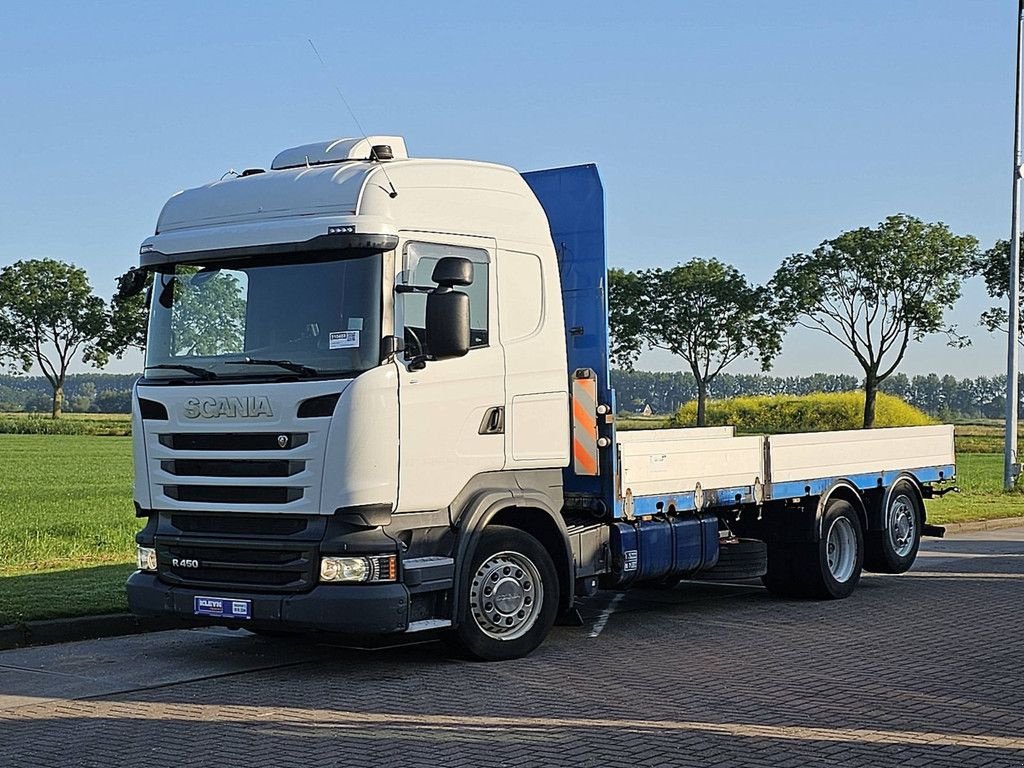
(493, 422)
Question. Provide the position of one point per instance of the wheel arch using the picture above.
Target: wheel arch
(529, 513)
(846, 491)
(915, 489)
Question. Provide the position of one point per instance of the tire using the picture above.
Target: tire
(513, 567)
(737, 561)
(829, 568)
(894, 548)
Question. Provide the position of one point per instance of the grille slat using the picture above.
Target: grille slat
(232, 467)
(233, 441)
(234, 494)
(238, 524)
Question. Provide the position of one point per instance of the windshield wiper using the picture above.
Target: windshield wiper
(299, 368)
(195, 370)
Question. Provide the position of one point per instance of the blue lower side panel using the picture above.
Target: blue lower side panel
(649, 550)
(733, 497)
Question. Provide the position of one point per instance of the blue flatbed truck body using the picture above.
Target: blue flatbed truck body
(573, 199)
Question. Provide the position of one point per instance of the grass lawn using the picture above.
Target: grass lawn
(67, 525)
(980, 479)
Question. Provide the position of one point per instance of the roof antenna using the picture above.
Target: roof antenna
(373, 155)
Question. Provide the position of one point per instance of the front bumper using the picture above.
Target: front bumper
(361, 609)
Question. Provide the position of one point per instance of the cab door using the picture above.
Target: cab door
(451, 411)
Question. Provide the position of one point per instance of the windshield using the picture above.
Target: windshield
(259, 317)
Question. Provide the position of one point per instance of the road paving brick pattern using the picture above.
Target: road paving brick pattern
(922, 669)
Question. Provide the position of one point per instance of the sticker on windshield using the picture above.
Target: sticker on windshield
(343, 339)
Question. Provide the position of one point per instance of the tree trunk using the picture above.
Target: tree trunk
(58, 401)
(702, 398)
(870, 394)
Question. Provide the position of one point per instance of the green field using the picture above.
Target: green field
(65, 505)
(67, 524)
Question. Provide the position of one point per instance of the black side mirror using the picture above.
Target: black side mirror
(131, 283)
(447, 321)
(447, 311)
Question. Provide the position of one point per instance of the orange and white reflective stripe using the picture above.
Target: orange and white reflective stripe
(584, 427)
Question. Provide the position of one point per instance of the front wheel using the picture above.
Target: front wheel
(509, 597)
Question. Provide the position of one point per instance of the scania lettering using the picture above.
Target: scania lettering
(376, 401)
(216, 407)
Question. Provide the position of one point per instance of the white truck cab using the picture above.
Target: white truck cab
(376, 400)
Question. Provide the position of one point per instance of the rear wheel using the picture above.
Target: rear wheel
(894, 548)
(510, 596)
(829, 568)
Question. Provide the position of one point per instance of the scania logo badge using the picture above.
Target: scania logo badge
(282, 441)
(231, 407)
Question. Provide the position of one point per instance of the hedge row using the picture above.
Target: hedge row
(37, 424)
(819, 412)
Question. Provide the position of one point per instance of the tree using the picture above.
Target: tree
(48, 315)
(129, 315)
(994, 267)
(875, 290)
(207, 311)
(704, 311)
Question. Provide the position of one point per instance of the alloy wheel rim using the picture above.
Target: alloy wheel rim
(506, 595)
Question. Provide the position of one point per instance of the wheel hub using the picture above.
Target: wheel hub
(902, 525)
(508, 596)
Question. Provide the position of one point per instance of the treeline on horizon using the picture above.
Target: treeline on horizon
(944, 397)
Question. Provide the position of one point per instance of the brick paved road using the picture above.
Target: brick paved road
(923, 669)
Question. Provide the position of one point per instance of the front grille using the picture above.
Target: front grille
(245, 566)
(239, 524)
(234, 494)
(233, 441)
(231, 468)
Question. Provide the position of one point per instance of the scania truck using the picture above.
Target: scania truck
(376, 401)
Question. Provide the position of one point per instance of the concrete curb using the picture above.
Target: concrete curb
(985, 525)
(48, 631)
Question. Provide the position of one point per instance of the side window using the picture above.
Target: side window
(420, 260)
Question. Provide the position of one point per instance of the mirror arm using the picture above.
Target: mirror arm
(418, 363)
(403, 288)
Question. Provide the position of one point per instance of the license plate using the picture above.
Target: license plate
(222, 607)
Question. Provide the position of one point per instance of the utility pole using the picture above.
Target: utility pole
(1010, 450)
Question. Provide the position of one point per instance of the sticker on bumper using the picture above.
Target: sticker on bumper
(222, 607)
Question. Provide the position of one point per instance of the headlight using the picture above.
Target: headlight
(145, 557)
(359, 569)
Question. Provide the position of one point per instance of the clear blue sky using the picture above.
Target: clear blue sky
(741, 130)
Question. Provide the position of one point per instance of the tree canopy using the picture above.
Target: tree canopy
(994, 267)
(48, 315)
(877, 289)
(704, 311)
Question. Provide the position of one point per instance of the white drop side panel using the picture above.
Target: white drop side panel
(668, 435)
(841, 454)
(659, 466)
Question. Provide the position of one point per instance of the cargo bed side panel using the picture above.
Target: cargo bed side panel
(666, 467)
(843, 454)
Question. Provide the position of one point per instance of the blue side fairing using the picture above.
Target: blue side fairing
(573, 200)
